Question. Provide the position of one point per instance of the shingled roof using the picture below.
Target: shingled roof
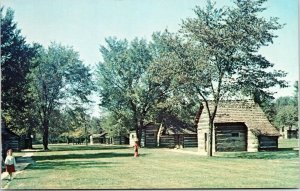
(173, 125)
(248, 112)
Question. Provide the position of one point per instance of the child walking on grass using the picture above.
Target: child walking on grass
(136, 149)
(10, 163)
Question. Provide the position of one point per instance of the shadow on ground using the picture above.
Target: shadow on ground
(67, 161)
(83, 156)
(279, 154)
(65, 165)
(71, 147)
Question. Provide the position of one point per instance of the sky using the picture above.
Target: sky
(84, 25)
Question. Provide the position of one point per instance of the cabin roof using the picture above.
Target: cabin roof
(98, 135)
(245, 111)
(7, 132)
(173, 125)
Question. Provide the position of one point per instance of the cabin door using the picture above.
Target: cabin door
(178, 140)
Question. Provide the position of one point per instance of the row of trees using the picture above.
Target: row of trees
(37, 82)
(285, 110)
(213, 56)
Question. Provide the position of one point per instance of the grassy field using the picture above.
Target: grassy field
(114, 167)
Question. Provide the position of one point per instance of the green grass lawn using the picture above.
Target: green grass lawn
(114, 167)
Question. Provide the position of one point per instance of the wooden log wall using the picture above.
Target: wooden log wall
(268, 142)
(14, 144)
(96, 140)
(167, 141)
(22, 142)
(229, 137)
(10, 141)
(149, 136)
(121, 140)
(190, 140)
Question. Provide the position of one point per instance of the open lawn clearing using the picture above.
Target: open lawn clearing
(114, 167)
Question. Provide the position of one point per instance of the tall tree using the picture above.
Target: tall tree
(287, 110)
(16, 56)
(216, 55)
(126, 83)
(60, 78)
(296, 91)
(287, 116)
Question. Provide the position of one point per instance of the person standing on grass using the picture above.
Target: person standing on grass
(136, 149)
(10, 163)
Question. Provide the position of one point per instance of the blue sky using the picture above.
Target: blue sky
(84, 24)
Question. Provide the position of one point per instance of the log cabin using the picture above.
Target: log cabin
(239, 125)
(170, 133)
(289, 132)
(9, 140)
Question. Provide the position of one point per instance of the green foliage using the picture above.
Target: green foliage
(296, 92)
(286, 112)
(231, 39)
(59, 78)
(287, 116)
(215, 55)
(94, 125)
(16, 56)
(126, 84)
(115, 125)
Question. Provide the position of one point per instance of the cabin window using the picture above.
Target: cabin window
(235, 134)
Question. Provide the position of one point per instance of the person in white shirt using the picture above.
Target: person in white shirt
(10, 163)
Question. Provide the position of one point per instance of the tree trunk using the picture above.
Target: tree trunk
(138, 135)
(29, 133)
(210, 138)
(46, 134)
(139, 128)
(141, 125)
(86, 137)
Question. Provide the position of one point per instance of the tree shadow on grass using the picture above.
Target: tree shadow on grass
(82, 147)
(82, 156)
(70, 161)
(280, 154)
(18, 178)
(71, 147)
(67, 165)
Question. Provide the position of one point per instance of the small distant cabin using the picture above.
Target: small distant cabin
(9, 140)
(97, 138)
(239, 125)
(175, 133)
(289, 132)
(120, 140)
(170, 133)
(104, 138)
